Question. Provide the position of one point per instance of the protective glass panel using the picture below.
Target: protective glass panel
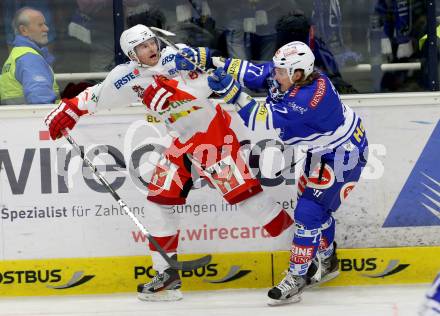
(78, 36)
(364, 46)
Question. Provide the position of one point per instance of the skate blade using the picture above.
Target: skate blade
(290, 300)
(327, 278)
(162, 296)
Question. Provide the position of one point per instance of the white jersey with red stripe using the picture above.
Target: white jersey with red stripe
(126, 83)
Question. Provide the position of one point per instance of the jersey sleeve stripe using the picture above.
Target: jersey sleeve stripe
(160, 98)
(234, 68)
(330, 139)
(242, 72)
(253, 117)
(269, 118)
(237, 68)
(226, 89)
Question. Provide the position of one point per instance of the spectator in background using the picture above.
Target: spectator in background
(327, 19)
(92, 24)
(27, 75)
(295, 26)
(401, 23)
(195, 25)
(10, 7)
(152, 17)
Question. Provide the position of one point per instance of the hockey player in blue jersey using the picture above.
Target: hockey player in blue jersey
(431, 305)
(305, 109)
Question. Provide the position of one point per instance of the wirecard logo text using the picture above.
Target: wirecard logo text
(418, 204)
(52, 166)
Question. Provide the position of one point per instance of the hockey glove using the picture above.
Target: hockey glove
(156, 95)
(64, 116)
(187, 57)
(224, 85)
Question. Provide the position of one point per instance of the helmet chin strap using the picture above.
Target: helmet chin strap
(291, 77)
(291, 73)
(141, 64)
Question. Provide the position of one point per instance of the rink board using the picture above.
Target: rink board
(50, 206)
(49, 199)
(378, 266)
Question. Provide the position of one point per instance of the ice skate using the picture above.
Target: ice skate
(164, 286)
(329, 270)
(288, 291)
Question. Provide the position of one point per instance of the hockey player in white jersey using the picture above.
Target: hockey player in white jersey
(180, 100)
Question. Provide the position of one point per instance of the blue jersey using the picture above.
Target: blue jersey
(431, 306)
(311, 115)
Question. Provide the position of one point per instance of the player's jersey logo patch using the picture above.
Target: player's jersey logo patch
(164, 174)
(326, 181)
(319, 93)
(225, 175)
(139, 91)
(346, 189)
(301, 254)
(126, 79)
(294, 91)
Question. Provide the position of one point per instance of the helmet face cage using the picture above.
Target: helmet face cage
(293, 56)
(275, 93)
(274, 87)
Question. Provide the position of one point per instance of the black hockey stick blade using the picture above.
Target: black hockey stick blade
(191, 264)
(180, 265)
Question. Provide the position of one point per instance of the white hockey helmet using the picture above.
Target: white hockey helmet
(134, 36)
(293, 56)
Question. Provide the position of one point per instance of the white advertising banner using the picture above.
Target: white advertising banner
(52, 207)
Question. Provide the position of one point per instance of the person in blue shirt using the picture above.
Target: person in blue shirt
(27, 76)
(305, 109)
(295, 26)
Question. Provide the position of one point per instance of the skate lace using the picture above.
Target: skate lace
(288, 282)
(157, 279)
(326, 266)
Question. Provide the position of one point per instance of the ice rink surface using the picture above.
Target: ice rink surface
(347, 301)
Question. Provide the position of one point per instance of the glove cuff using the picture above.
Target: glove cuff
(72, 104)
(233, 66)
(233, 93)
(205, 58)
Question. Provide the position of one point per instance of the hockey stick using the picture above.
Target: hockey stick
(293, 164)
(170, 43)
(179, 265)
